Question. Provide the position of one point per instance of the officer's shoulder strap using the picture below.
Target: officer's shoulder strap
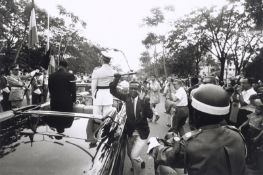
(191, 134)
(233, 128)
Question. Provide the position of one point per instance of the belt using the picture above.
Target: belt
(16, 87)
(181, 106)
(100, 87)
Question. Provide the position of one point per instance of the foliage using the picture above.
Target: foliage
(156, 18)
(255, 10)
(254, 69)
(64, 39)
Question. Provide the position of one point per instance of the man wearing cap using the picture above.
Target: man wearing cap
(138, 110)
(62, 88)
(101, 78)
(211, 149)
(17, 86)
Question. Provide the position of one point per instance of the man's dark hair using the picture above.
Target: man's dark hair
(63, 63)
(194, 81)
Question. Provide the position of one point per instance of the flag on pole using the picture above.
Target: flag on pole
(33, 38)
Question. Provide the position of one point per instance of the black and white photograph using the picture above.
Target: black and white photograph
(131, 87)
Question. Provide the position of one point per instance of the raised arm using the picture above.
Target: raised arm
(113, 88)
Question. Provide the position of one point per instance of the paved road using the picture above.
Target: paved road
(158, 129)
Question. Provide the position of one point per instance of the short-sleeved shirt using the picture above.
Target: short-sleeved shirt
(181, 95)
(246, 94)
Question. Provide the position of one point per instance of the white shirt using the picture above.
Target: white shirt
(101, 76)
(134, 105)
(181, 96)
(247, 93)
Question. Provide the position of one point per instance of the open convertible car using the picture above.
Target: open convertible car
(35, 140)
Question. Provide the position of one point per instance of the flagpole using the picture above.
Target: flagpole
(47, 31)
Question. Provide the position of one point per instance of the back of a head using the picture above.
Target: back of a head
(209, 80)
(211, 103)
(63, 63)
(194, 81)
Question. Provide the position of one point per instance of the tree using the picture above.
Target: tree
(255, 10)
(65, 39)
(219, 26)
(156, 18)
(254, 69)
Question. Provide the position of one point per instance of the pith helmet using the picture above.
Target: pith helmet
(211, 99)
(107, 55)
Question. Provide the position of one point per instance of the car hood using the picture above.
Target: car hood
(43, 146)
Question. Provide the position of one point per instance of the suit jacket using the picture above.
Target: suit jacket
(62, 88)
(143, 111)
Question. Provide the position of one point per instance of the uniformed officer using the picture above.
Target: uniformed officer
(212, 149)
(101, 78)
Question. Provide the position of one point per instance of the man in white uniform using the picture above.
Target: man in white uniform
(101, 78)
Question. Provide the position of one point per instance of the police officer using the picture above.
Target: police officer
(212, 149)
(101, 78)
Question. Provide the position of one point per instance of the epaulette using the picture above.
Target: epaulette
(191, 134)
(233, 128)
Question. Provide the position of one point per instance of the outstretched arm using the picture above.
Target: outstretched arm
(113, 88)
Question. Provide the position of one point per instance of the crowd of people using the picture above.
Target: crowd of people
(213, 129)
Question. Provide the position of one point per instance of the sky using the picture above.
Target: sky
(118, 23)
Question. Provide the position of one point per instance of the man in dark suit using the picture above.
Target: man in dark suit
(62, 88)
(138, 110)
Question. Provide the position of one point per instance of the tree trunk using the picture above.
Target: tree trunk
(164, 63)
(222, 69)
(197, 69)
(155, 62)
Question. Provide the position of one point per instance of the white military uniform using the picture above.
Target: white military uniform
(102, 98)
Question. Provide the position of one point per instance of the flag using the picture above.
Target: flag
(33, 38)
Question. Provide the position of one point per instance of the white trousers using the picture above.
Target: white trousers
(100, 111)
(135, 146)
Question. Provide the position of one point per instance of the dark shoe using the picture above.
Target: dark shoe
(157, 118)
(92, 144)
(143, 165)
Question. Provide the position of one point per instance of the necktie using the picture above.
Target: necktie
(134, 106)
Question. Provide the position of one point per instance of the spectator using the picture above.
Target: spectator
(154, 93)
(179, 102)
(243, 95)
(137, 110)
